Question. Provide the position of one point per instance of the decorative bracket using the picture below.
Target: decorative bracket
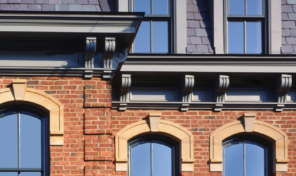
(222, 87)
(187, 91)
(249, 120)
(110, 46)
(126, 82)
(89, 55)
(284, 85)
(154, 119)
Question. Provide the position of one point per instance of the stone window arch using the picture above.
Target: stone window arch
(252, 126)
(20, 94)
(153, 125)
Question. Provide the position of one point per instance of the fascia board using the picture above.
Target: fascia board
(70, 23)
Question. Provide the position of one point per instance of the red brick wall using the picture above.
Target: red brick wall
(90, 125)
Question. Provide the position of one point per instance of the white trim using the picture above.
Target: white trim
(180, 16)
(275, 28)
(180, 27)
(274, 19)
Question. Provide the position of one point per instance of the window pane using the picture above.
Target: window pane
(160, 37)
(160, 7)
(236, 7)
(235, 37)
(143, 6)
(254, 160)
(254, 37)
(9, 141)
(141, 160)
(30, 174)
(162, 160)
(234, 160)
(8, 174)
(142, 41)
(30, 141)
(254, 7)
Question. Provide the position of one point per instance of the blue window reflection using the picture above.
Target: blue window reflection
(245, 29)
(245, 158)
(237, 7)
(154, 31)
(23, 142)
(236, 37)
(153, 155)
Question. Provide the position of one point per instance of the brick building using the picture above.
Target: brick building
(192, 88)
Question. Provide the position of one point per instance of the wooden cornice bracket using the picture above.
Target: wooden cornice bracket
(110, 46)
(187, 91)
(223, 84)
(126, 82)
(285, 83)
(89, 55)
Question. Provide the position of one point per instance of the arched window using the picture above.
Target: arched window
(247, 156)
(24, 142)
(153, 155)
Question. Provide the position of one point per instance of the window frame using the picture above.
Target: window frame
(150, 17)
(245, 138)
(152, 138)
(179, 34)
(244, 18)
(45, 171)
(274, 27)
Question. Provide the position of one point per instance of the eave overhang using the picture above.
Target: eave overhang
(78, 24)
(210, 63)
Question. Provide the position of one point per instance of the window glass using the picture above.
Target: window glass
(8, 174)
(234, 160)
(253, 37)
(235, 37)
(9, 141)
(23, 140)
(237, 7)
(30, 141)
(160, 36)
(254, 7)
(255, 158)
(161, 7)
(153, 156)
(141, 160)
(162, 160)
(142, 6)
(244, 157)
(30, 174)
(142, 40)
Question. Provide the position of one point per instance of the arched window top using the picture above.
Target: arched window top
(153, 155)
(20, 94)
(153, 125)
(247, 155)
(249, 126)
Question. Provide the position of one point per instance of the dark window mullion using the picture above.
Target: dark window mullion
(151, 37)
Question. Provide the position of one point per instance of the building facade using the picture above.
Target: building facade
(147, 87)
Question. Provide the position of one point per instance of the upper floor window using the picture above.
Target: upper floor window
(153, 155)
(24, 143)
(154, 35)
(246, 157)
(246, 26)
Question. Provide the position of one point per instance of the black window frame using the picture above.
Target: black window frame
(170, 18)
(45, 170)
(156, 139)
(247, 18)
(251, 139)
